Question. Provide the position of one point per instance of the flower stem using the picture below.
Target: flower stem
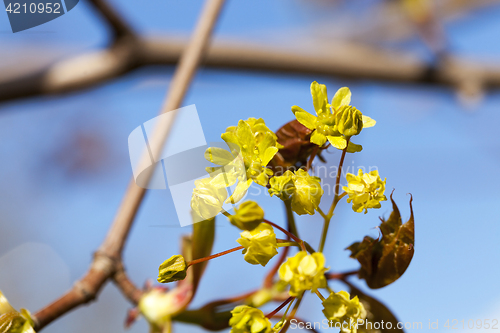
(292, 314)
(292, 236)
(288, 300)
(311, 158)
(213, 256)
(291, 219)
(286, 244)
(321, 297)
(336, 199)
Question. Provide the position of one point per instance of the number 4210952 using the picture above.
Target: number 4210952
(49, 8)
(455, 324)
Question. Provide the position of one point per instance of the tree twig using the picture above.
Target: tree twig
(349, 60)
(108, 257)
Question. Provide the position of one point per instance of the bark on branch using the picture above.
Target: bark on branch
(107, 261)
(346, 60)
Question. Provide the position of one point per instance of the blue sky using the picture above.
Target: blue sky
(56, 206)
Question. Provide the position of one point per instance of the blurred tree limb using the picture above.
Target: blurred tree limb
(107, 263)
(129, 51)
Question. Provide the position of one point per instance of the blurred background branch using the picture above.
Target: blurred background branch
(353, 58)
(107, 263)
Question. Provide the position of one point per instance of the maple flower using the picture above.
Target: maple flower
(246, 319)
(247, 216)
(256, 144)
(303, 189)
(260, 244)
(343, 312)
(304, 272)
(336, 121)
(365, 190)
(208, 196)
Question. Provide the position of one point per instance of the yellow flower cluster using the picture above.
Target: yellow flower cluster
(260, 244)
(208, 197)
(247, 216)
(343, 312)
(304, 272)
(246, 319)
(336, 121)
(365, 190)
(304, 190)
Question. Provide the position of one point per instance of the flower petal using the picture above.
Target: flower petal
(342, 97)
(338, 142)
(368, 122)
(306, 119)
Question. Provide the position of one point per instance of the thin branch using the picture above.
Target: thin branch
(349, 60)
(126, 286)
(108, 256)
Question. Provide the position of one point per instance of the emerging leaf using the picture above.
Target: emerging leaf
(384, 260)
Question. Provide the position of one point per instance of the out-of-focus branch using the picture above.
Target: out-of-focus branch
(127, 287)
(107, 262)
(119, 27)
(346, 60)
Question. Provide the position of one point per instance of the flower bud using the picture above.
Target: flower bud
(349, 121)
(247, 216)
(173, 269)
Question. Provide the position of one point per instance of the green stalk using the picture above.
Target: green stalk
(336, 199)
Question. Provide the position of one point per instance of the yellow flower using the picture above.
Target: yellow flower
(260, 244)
(365, 190)
(335, 122)
(257, 145)
(172, 269)
(343, 312)
(246, 319)
(304, 190)
(12, 321)
(247, 216)
(208, 197)
(304, 272)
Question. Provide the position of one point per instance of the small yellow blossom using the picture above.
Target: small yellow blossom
(304, 272)
(304, 190)
(247, 216)
(335, 122)
(257, 145)
(246, 319)
(173, 269)
(208, 197)
(365, 190)
(341, 311)
(260, 244)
